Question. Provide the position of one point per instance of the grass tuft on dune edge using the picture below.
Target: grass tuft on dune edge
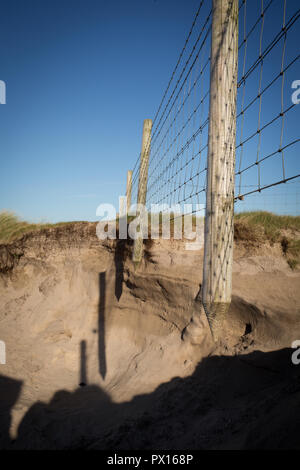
(258, 227)
(12, 227)
(253, 227)
(269, 221)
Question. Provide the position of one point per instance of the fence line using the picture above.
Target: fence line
(175, 131)
(135, 169)
(213, 126)
(178, 154)
(257, 149)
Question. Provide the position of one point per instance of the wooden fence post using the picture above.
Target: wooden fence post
(219, 215)
(128, 189)
(215, 295)
(142, 188)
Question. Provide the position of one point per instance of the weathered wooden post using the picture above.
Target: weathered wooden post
(142, 188)
(128, 189)
(218, 241)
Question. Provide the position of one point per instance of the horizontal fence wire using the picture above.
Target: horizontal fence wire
(178, 150)
(267, 119)
(136, 166)
(267, 142)
(284, 199)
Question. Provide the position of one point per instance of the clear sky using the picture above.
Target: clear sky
(81, 76)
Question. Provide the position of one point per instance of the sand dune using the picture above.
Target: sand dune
(95, 349)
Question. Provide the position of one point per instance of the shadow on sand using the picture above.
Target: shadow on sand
(9, 393)
(239, 402)
(101, 325)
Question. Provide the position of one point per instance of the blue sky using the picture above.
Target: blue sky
(81, 76)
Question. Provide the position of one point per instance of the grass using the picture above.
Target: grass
(249, 226)
(293, 263)
(291, 249)
(271, 223)
(258, 227)
(12, 227)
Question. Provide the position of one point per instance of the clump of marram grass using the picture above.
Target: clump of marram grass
(256, 228)
(271, 223)
(253, 228)
(12, 227)
(293, 263)
(250, 234)
(291, 249)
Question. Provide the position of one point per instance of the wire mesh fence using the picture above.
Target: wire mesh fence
(282, 200)
(221, 138)
(177, 165)
(267, 134)
(267, 119)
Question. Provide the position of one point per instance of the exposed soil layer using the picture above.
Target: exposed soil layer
(95, 356)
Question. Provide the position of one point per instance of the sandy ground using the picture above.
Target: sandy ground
(95, 357)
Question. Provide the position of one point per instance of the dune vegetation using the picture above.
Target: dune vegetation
(253, 227)
(13, 227)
